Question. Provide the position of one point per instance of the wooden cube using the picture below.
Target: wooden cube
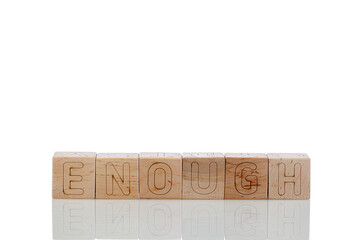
(160, 175)
(203, 175)
(246, 176)
(117, 175)
(74, 175)
(289, 176)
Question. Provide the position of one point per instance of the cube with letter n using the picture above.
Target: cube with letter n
(117, 175)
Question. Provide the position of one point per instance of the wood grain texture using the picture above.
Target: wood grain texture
(160, 175)
(289, 176)
(117, 175)
(203, 175)
(246, 176)
(74, 175)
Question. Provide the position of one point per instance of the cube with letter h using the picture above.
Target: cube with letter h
(74, 175)
(289, 176)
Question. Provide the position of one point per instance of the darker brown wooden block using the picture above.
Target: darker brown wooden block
(246, 176)
(74, 175)
(203, 175)
(117, 175)
(160, 175)
(289, 176)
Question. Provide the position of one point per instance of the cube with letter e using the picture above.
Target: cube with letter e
(74, 175)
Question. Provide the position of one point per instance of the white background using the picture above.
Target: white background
(226, 76)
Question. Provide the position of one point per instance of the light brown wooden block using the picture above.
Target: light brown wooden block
(117, 175)
(74, 175)
(160, 175)
(203, 175)
(289, 176)
(246, 176)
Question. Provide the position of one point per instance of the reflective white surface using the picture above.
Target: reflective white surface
(181, 219)
(175, 76)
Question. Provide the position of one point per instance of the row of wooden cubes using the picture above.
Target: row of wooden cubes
(175, 176)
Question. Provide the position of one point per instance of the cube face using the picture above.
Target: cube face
(74, 175)
(246, 176)
(160, 175)
(289, 176)
(117, 175)
(203, 175)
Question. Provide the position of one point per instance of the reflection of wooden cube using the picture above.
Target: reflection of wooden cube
(203, 175)
(74, 175)
(289, 176)
(117, 219)
(73, 218)
(246, 176)
(117, 175)
(160, 175)
(288, 220)
(247, 219)
(159, 220)
(204, 220)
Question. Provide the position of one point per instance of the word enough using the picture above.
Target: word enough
(175, 176)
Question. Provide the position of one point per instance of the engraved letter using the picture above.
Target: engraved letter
(197, 178)
(294, 178)
(159, 178)
(70, 177)
(113, 176)
(245, 182)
